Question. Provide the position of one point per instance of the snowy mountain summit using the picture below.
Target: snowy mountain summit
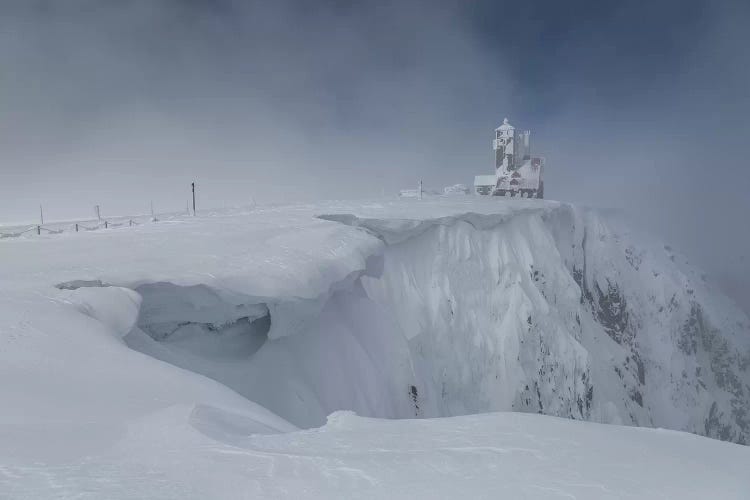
(177, 359)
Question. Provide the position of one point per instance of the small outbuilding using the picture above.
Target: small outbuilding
(484, 184)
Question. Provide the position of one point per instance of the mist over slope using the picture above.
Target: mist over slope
(404, 309)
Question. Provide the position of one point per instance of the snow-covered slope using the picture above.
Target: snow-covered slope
(196, 453)
(429, 308)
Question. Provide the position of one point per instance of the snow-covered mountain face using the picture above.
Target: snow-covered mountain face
(680, 351)
(542, 309)
(557, 313)
(427, 308)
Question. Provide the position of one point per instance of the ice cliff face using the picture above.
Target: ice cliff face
(488, 312)
(547, 311)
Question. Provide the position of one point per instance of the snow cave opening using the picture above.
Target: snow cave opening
(349, 356)
(196, 323)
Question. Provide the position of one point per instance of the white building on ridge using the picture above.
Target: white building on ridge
(516, 171)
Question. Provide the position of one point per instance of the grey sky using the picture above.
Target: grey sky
(640, 106)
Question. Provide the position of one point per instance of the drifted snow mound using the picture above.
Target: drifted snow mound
(456, 189)
(547, 311)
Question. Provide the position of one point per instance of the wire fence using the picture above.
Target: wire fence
(60, 227)
(70, 227)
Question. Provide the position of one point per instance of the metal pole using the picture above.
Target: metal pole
(193, 185)
(76, 227)
(38, 230)
(41, 215)
(420, 189)
(105, 224)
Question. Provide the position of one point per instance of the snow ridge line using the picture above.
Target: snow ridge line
(393, 231)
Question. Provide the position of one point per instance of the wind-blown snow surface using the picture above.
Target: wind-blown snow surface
(427, 308)
(180, 453)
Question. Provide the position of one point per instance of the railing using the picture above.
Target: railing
(112, 222)
(59, 228)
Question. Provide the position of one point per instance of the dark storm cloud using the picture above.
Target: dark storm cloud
(639, 106)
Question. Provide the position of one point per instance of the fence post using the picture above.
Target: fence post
(39, 230)
(193, 186)
(131, 222)
(105, 224)
(76, 227)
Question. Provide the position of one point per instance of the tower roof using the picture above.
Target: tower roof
(505, 125)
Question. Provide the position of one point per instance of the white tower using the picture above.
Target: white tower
(504, 146)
